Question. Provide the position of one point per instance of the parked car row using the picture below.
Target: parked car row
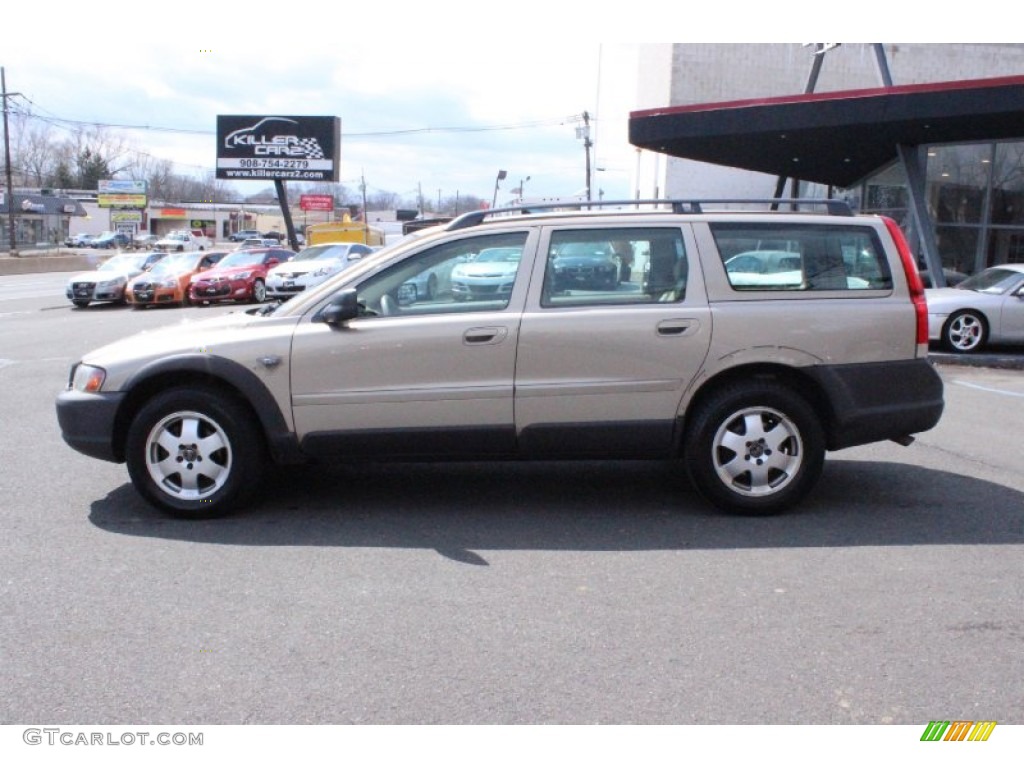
(159, 277)
(254, 234)
(980, 310)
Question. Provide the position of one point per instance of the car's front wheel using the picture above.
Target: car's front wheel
(259, 292)
(755, 448)
(965, 331)
(80, 303)
(194, 452)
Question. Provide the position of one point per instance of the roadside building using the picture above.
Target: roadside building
(969, 186)
(39, 220)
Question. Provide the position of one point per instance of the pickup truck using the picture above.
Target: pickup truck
(184, 240)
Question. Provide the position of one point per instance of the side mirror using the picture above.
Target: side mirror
(342, 307)
(273, 262)
(407, 294)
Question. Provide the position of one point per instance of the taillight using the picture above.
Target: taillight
(913, 279)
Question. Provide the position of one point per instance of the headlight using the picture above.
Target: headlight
(242, 276)
(88, 378)
(323, 271)
(171, 283)
(111, 283)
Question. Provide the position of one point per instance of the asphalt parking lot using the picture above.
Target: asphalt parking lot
(590, 592)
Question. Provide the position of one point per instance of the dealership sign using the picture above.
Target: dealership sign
(316, 202)
(278, 147)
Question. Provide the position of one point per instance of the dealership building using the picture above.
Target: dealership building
(930, 134)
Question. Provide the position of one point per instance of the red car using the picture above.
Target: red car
(241, 276)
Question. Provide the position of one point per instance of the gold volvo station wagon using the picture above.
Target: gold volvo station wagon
(654, 340)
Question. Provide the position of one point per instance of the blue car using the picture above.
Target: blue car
(110, 240)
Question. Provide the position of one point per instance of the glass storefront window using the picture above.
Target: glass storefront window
(957, 247)
(1008, 184)
(961, 181)
(957, 180)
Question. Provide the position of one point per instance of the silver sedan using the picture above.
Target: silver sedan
(986, 308)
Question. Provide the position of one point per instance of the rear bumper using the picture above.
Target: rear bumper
(879, 401)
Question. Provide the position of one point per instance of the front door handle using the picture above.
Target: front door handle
(485, 335)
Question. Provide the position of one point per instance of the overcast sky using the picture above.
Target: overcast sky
(436, 95)
(443, 98)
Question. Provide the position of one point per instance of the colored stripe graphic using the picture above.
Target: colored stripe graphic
(982, 730)
(958, 730)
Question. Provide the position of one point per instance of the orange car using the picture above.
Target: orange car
(169, 284)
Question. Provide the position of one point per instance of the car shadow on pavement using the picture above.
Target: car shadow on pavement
(460, 510)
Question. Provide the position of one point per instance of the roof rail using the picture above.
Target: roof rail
(474, 218)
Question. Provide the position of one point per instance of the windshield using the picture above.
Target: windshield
(511, 255)
(173, 264)
(121, 263)
(992, 280)
(321, 252)
(243, 259)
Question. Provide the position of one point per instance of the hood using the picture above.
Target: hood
(938, 298)
(228, 272)
(303, 267)
(98, 276)
(225, 334)
(486, 268)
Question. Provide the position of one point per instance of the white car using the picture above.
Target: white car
(985, 308)
(490, 274)
(312, 266)
(108, 281)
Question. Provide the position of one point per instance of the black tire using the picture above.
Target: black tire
(195, 453)
(80, 303)
(432, 287)
(259, 292)
(965, 331)
(781, 435)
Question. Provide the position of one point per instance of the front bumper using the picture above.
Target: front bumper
(238, 290)
(87, 422)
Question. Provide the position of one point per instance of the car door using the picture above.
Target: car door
(413, 376)
(602, 369)
(1012, 313)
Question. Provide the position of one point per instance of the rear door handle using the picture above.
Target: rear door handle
(674, 327)
(485, 335)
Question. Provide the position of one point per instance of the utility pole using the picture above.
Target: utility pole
(366, 224)
(7, 163)
(587, 144)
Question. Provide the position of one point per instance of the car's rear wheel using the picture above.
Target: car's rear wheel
(194, 452)
(755, 448)
(965, 331)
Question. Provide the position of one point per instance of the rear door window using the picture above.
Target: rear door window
(801, 257)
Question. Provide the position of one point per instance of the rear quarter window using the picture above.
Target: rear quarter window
(801, 257)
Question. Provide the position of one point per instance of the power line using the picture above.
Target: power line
(64, 121)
